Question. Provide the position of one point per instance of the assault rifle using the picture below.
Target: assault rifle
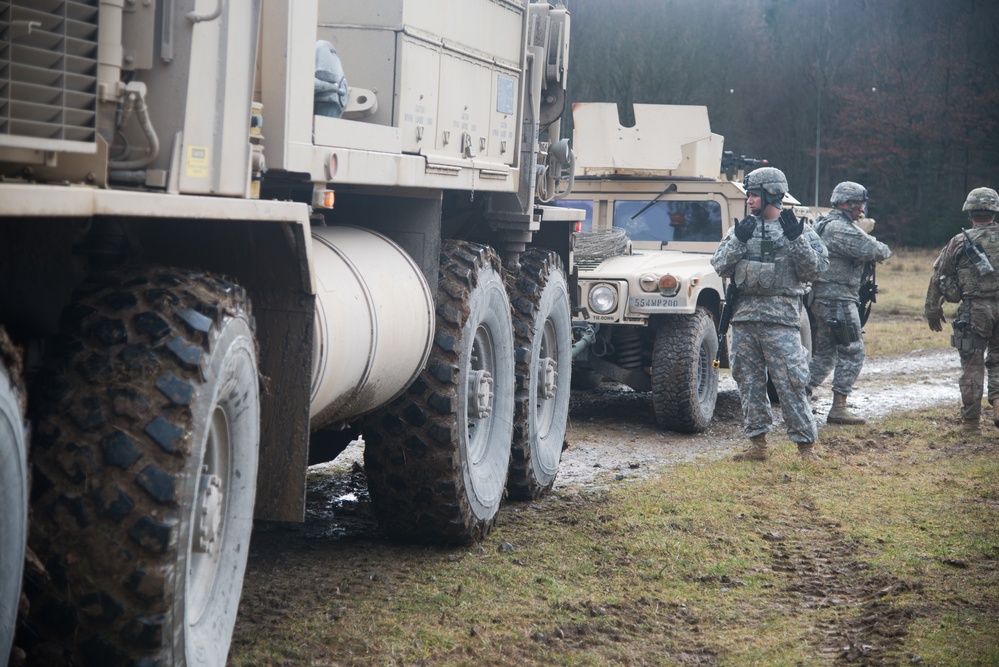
(734, 167)
(868, 291)
(731, 297)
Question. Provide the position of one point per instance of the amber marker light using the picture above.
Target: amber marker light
(323, 199)
(669, 285)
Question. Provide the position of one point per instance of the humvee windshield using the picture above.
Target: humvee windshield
(665, 221)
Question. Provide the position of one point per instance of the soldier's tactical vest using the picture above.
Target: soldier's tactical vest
(972, 283)
(766, 269)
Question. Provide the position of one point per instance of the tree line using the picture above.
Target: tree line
(900, 95)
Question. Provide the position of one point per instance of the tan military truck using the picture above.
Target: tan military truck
(234, 235)
(649, 308)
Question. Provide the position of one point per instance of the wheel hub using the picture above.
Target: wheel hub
(209, 514)
(480, 394)
(548, 377)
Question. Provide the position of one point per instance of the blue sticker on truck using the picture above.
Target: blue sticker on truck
(506, 94)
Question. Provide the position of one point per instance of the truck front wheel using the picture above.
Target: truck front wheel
(684, 382)
(543, 333)
(144, 472)
(437, 457)
(13, 491)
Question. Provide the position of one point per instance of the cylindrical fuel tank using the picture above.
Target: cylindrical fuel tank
(374, 322)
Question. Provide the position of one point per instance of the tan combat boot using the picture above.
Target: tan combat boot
(838, 414)
(806, 450)
(757, 450)
(971, 427)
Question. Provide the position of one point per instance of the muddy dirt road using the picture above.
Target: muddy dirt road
(614, 439)
(614, 434)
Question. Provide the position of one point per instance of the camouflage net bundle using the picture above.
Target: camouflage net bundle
(594, 247)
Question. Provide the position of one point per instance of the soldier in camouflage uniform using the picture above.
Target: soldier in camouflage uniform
(964, 272)
(770, 256)
(835, 298)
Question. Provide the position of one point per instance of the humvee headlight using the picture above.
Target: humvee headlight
(668, 285)
(603, 299)
(649, 282)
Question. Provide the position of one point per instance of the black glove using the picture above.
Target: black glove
(744, 228)
(934, 318)
(790, 224)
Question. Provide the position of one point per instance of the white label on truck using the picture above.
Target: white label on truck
(197, 162)
(506, 94)
(653, 302)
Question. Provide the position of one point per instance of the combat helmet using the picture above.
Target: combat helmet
(982, 199)
(848, 191)
(769, 182)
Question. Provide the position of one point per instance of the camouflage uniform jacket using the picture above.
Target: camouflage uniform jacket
(850, 248)
(954, 275)
(770, 291)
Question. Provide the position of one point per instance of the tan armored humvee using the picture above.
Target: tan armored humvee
(649, 305)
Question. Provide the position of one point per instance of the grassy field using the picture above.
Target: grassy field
(897, 325)
(885, 552)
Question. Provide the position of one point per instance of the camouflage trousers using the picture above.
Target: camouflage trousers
(982, 359)
(827, 354)
(759, 349)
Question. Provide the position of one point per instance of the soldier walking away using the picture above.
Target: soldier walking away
(835, 299)
(770, 255)
(965, 273)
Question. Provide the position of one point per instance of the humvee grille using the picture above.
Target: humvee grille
(48, 74)
(587, 264)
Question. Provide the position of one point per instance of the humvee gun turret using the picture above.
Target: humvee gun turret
(649, 304)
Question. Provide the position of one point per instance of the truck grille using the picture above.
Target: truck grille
(48, 74)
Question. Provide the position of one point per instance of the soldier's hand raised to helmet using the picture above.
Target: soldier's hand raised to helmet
(744, 228)
(790, 224)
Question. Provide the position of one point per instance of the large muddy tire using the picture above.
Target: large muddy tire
(684, 381)
(144, 473)
(542, 327)
(436, 458)
(13, 490)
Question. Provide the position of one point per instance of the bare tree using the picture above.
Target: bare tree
(897, 94)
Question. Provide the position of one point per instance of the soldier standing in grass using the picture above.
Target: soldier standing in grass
(838, 341)
(770, 256)
(964, 272)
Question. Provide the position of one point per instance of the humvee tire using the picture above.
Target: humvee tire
(543, 333)
(437, 457)
(684, 381)
(144, 472)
